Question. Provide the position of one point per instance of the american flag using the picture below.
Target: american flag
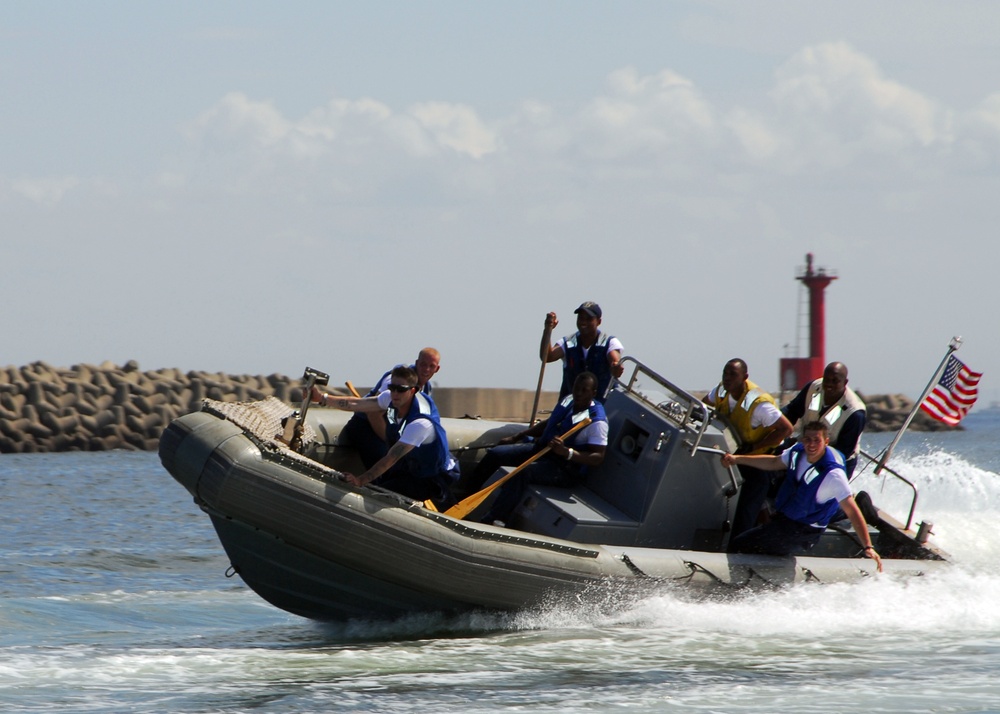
(954, 394)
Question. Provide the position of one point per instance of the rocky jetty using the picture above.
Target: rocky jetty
(887, 412)
(101, 407)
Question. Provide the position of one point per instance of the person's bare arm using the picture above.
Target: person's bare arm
(766, 462)
(776, 433)
(548, 352)
(396, 452)
(586, 455)
(615, 362)
(861, 528)
(348, 404)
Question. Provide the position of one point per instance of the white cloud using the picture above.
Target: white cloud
(834, 105)
(238, 124)
(830, 107)
(980, 135)
(654, 113)
(45, 191)
(758, 140)
(988, 113)
(237, 120)
(457, 127)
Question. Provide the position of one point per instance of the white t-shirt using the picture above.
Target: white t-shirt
(594, 434)
(419, 431)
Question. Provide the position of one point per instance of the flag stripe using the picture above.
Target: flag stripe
(954, 394)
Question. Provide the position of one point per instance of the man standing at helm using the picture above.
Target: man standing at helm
(831, 401)
(589, 350)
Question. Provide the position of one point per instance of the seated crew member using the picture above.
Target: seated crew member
(815, 486)
(366, 431)
(565, 464)
(760, 427)
(831, 401)
(418, 463)
(589, 349)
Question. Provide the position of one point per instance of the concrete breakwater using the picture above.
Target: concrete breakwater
(101, 407)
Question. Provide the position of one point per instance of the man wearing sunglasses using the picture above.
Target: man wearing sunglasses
(367, 432)
(417, 463)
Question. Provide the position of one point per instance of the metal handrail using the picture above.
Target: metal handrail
(693, 403)
(913, 503)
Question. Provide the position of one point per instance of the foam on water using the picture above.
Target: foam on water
(129, 611)
(960, 498)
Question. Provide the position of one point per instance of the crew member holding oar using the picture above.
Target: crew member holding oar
(366, 432)
(417, 464)
(589, 350)
(565, 464)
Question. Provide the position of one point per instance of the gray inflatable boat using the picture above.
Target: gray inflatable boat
(654, 515)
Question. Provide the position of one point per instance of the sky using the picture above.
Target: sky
(257, 187)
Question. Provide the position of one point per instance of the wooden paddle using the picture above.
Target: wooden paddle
(467, 505)
(543, 354)
(538, 394)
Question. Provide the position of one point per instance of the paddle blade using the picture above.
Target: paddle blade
(468, 504)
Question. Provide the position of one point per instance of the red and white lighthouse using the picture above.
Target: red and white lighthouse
(796, 372)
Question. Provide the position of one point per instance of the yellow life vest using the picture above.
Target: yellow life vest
(739, 417)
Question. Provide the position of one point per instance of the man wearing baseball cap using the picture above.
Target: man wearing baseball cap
(589, 350)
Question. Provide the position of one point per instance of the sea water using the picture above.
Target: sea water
(114, 598)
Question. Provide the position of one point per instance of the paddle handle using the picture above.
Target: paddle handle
(466, 506)
(538, 394)
(543, 353)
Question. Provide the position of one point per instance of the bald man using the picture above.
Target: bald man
(829, 400)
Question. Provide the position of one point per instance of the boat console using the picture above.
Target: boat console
(661, 485)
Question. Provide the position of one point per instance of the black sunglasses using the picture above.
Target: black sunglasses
(400, 388)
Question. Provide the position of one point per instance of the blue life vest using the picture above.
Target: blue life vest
(360, 419)
(563, 419)
(426, 460)
(796, 498)
(596, 361)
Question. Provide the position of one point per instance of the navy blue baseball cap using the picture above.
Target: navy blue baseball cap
(591, 308)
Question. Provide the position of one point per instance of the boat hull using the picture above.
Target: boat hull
(311, 544)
